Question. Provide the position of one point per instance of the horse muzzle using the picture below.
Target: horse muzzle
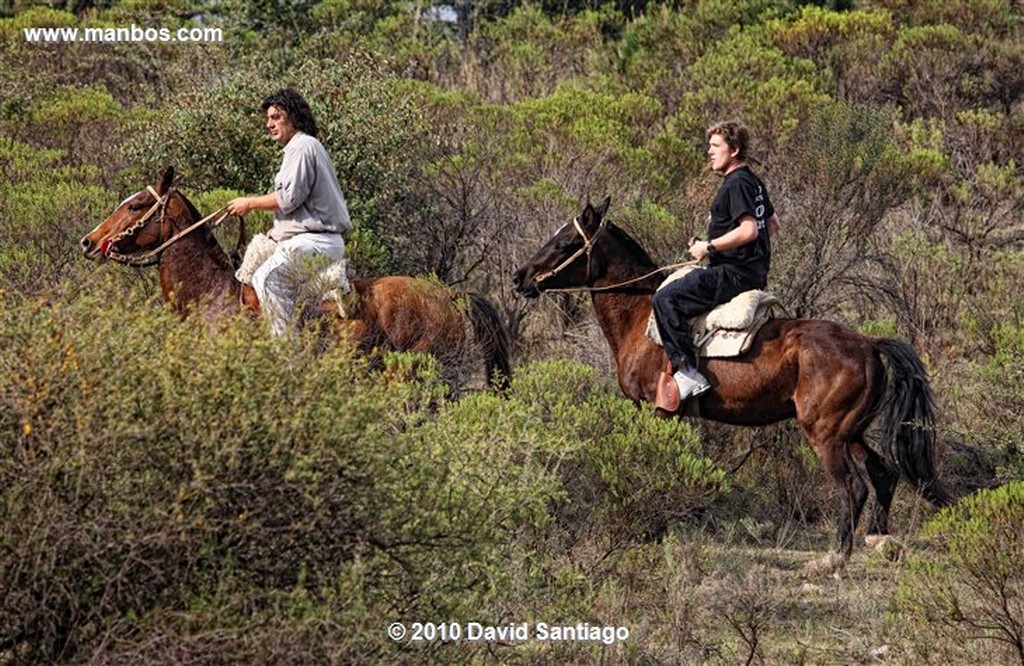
(94, 251)
(525, 287)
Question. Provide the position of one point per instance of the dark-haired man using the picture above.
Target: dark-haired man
(738, 249)
(309, 209)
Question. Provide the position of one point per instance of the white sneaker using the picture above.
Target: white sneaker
(691, 383)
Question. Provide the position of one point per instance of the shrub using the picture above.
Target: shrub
(843, 175)
(46, 209)
(748, 77)
(970, 588)
(174, 489)
(160, 479)
(630, 474)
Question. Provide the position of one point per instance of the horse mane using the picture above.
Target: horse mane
(223, 257)
(639, 254)
(192, 210)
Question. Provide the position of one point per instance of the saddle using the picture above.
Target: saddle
(729, 329)
(331, 284)
(726, 331)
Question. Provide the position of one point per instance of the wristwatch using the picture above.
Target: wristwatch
(711, 248)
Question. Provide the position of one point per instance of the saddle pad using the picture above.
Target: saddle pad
(729, 329)
(332, 281)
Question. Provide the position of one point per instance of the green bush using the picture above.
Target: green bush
(46, 208)
(630, 475)
(844, 174)
(159, 477)
(175, 489)
(970, 587)
(750, 78)
(995, 424)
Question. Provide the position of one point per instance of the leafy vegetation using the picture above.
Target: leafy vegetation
(974, 585)
(173, 492)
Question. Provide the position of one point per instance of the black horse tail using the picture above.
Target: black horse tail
(493, 337)
(907, 419)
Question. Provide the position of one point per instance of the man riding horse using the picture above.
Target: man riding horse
(738, 249)
(309, 209)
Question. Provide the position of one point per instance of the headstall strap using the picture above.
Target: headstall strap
(153, 256)
(588, 246)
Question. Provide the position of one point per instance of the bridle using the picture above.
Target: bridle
(587, 248)
(151, 257)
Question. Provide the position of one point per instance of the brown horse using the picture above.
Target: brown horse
(395, 313)
(834, 381)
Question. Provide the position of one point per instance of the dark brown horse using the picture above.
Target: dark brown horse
(834, 381)
(395, 313)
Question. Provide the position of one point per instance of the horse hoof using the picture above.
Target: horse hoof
(886, 545)
(872, 540)
(830, 565)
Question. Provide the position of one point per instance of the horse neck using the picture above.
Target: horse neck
(623, 313)
(620, 316)
(195, 270)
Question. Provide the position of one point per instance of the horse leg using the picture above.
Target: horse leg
(883, 479)
(836, 458)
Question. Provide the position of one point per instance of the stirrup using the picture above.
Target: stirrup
(667, 393)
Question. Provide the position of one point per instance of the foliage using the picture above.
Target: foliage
(929, 69)
(989, 17)
(180, 479)
(47, 208)
(632, 474)
(847, 43)
(750, 78)
(225, 501)
(843, 177)
(528, 53)
(971, 587)
(996, 423)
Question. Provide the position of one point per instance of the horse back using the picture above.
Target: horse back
(411, 314)
(793, 367)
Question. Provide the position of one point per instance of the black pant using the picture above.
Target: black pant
(696, 293)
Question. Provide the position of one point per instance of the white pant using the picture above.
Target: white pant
(280, 279)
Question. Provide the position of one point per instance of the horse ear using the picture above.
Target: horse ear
(589, 216)
(166, 181)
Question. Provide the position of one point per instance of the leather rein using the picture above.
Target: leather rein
(150, 257)
(587, 248)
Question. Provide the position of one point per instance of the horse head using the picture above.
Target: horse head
(565, 260)
(136, 226)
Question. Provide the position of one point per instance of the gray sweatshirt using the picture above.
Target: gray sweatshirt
(307, 191)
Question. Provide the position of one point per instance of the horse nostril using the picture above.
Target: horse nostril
(515, 278)
(85, 243)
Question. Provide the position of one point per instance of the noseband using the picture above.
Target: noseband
(586, 248)
(153, 256)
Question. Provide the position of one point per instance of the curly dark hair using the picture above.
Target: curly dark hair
(295, 105)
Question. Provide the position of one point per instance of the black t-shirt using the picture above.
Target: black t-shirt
(742, 193)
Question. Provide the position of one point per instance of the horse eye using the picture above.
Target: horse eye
(136, 207)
